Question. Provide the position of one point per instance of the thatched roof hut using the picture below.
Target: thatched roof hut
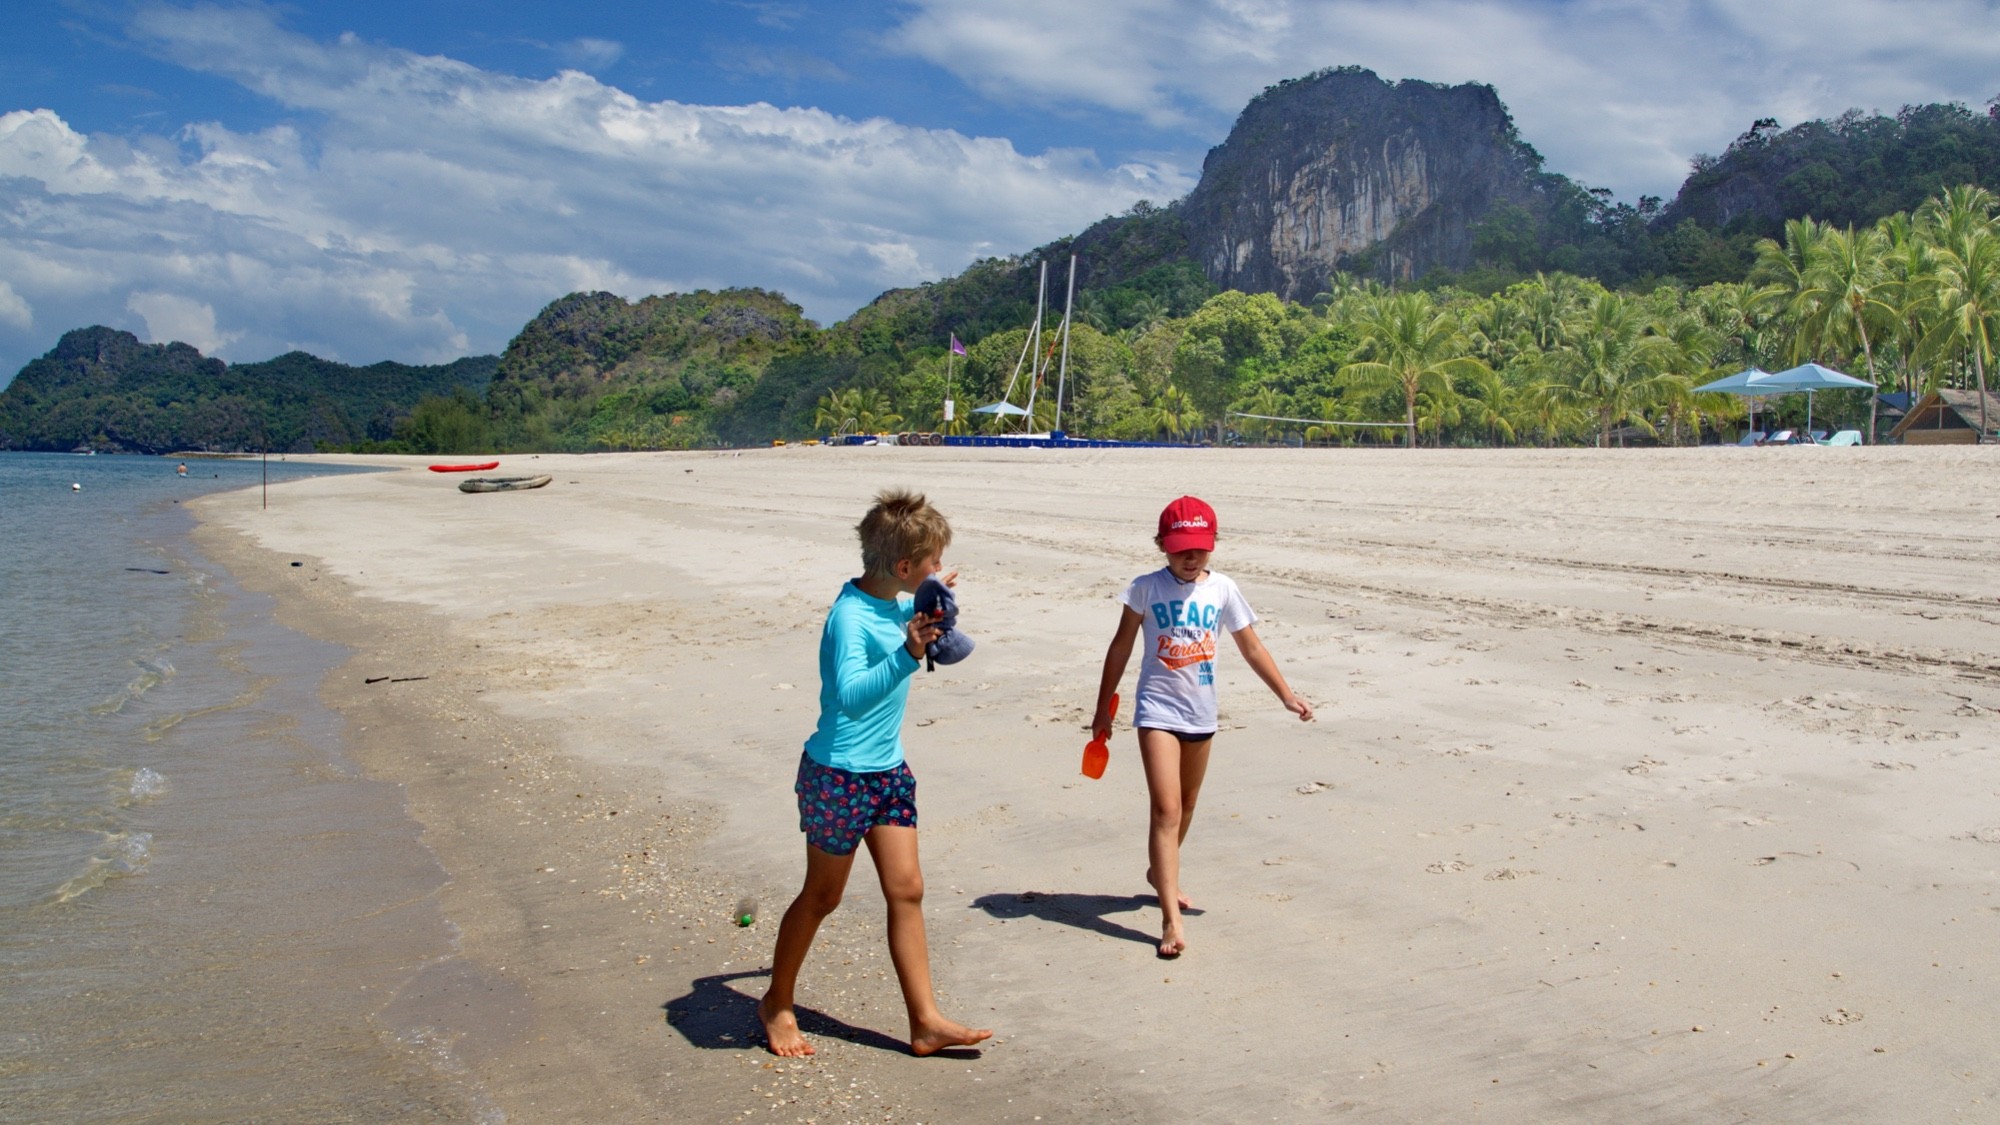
(1946, 417)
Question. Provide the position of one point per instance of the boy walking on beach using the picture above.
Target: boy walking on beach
(853, 785)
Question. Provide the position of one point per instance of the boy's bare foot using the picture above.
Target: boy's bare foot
(932, 1038)
(781, 1028)
(1180, 897)
(1173, 942)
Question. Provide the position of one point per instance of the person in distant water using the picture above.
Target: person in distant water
(853, 785)
(1179, 608)
(182, 469)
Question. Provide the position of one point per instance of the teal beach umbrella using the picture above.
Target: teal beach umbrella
(1807, 377)
(1810, 377)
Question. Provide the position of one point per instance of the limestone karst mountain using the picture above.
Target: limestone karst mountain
(1342, 170)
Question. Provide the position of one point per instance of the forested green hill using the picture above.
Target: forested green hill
(102, 389)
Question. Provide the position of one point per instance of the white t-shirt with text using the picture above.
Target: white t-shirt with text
(1177, 652)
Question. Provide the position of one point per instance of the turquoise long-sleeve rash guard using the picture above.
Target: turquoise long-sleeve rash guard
(864, 680)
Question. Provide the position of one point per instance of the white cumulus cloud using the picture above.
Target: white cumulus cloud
(173, 318)
(414, 207)
(1616, 93)
(13, 310)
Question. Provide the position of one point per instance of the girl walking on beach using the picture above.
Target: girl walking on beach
(1179, 608)
(853, 785)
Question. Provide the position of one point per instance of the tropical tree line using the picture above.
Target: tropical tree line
(1911, 303)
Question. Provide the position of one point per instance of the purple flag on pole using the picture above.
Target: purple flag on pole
(956, 347)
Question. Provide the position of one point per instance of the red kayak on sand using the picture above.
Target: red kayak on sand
(479, 468)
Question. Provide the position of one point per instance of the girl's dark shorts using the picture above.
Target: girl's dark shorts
(1184, 736)
(837, 807)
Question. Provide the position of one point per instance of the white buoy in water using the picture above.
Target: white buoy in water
(75, 487)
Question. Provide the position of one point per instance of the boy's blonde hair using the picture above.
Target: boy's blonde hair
(901, 525)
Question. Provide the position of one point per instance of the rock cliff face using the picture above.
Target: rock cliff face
(1341, 170)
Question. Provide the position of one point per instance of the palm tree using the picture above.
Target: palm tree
(1173, 413)
(1968, 292)
(873, 412)
(836, 411)
(1412, 346)
(1331, 410)
(1689, 360)
(1499, 330)
(1910, 265)
(1609, 363)
(1548, 303)
(1437, 411)
(1093, 310)
(1789, 286)
(1552, 410)
(1267, 402)
(1953, 214)
(1489, 405)
(1146, 313)
(1851, 275)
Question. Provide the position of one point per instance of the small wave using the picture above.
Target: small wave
(439, 1049)
(124, 854)
(158, 728)
(146, 784)
(152, 673)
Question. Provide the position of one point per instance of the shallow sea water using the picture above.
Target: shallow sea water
(205, 909)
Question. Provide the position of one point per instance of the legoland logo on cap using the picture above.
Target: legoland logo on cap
(1188, 524)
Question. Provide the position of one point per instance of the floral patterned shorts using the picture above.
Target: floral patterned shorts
(837, 807)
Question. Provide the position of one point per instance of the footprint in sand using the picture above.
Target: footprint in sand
(1733, 778)
(1447, 867)
(1741, 816)
(1982, 835)
(1841, 1016)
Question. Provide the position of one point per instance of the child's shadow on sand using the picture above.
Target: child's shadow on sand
(715, 1016)
(1085, 912)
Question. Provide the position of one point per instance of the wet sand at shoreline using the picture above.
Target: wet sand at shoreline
(1646, 784)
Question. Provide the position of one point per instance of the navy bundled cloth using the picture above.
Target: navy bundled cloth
(951, 645)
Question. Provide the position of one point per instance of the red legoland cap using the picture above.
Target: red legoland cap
(1188, 524)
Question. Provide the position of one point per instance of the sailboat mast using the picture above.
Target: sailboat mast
(1062, 376)
(1035, 366)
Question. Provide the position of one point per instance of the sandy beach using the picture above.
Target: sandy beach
(1647, 785)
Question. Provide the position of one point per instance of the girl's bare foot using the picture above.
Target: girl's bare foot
(1173, 942)
(781, 1028)
(1179, 896)
(932, 1038)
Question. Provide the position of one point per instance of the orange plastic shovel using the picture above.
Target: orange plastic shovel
(1096, 755)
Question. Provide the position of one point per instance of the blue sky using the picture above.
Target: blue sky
(414, 181)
